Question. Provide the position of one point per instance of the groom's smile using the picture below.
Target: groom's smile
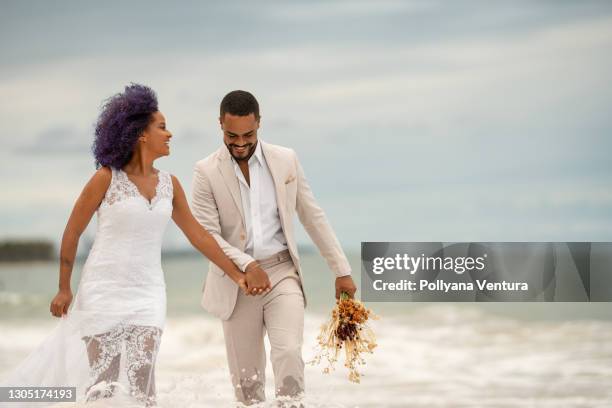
(240, 135)
(241, 152)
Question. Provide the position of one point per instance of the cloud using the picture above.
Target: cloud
(388, 107)
(59, 140)
(313, 11)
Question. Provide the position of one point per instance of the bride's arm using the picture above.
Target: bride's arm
(200, 238)
(84, 208)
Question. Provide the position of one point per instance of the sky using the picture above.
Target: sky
(413, 120)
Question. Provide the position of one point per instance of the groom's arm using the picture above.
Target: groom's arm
(318, 228)
(205, 211)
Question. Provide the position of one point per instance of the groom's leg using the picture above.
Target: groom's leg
(246, 354)
(284, 321)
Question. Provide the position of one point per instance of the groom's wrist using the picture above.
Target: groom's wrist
(343, 274)
(244, 262)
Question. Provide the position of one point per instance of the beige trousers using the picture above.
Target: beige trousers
(280, 313)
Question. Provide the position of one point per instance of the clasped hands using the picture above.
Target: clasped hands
(255, 280)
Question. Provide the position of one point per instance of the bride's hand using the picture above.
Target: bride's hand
(60, 303)
(243, 285)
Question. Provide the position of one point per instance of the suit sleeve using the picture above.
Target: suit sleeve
(317, 226)
(206, 212)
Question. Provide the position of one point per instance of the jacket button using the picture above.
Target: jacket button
(242, 237)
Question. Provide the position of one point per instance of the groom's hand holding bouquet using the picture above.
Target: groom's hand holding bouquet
(345, 284)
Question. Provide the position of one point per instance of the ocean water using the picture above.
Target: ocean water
(428, 355)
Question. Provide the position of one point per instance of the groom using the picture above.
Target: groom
(246, 194)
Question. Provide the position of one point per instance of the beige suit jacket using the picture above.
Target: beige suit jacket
(217, 205)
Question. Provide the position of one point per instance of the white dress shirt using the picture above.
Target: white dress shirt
(264, 233)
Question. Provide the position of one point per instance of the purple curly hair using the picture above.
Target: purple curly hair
(123, 118)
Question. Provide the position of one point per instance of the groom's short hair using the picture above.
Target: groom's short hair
(239, 103)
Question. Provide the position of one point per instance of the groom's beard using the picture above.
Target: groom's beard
(245, 154)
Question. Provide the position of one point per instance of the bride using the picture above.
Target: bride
(107, 340)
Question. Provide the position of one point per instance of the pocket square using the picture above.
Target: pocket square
(290, 179)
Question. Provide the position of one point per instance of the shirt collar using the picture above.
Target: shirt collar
(258, 153)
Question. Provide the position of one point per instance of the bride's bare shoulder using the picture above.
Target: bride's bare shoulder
(103, 175)
(101, 179)
(104, 172)
(175, 181)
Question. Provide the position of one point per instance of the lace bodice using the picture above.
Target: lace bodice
(122, 188)
(127, 247)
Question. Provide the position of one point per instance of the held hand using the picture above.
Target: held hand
(243, 286)
(257, 279)
(345, 284)
(60, 303)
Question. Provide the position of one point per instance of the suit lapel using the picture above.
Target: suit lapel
(231, 181)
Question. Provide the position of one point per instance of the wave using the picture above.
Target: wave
(439, 355)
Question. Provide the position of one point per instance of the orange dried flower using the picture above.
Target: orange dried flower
(348, 329)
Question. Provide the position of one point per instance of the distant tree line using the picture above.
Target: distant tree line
(33, 250)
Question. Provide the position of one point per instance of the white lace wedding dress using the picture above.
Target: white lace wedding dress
(107, 344)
